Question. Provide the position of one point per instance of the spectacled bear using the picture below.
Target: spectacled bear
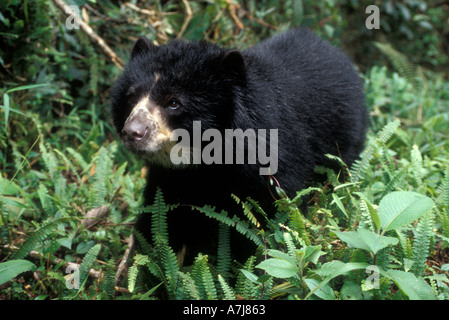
(294, 85)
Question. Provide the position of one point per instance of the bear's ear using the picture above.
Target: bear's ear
(142, 45)
(234, 65)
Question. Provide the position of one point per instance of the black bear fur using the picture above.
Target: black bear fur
(294, 82)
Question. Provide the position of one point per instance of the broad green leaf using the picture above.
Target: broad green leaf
(414, 288)
(278, 268)
(324, 292)
(312, 253)
(400, 208)
(249, 275)
(281, 255)
(333, 269)
(11, 269)
(367, 240)
(8, 188)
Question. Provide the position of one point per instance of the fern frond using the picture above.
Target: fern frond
(88, 262)
(359, 167)
(258, 208)
(240, 226)
(203, 278)
(444, 220)
(417, 166)
(40, 235)
(143, 244)
(139, 260)
(46, 201)
(224, 251)
(109, 279)
(49, 158)
(251, 234)
(443, 190)
(169, 265)
(159, 210)
(297, 223)
(221, 217)
(189, 287)
(227, 291)
(85, 166)
(290, 245)
(394, 180)
(388, 163)
(244, 286)
(69, 163)
(421, 244)
(401, 63)
(247, 207)
(103, 169)
(405, 244)
(387, 132)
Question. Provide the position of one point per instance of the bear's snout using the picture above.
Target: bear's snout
(134, 131)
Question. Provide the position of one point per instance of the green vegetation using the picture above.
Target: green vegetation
(69, 192)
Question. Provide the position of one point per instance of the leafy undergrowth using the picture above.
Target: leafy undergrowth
(69, 194)
(379, 230)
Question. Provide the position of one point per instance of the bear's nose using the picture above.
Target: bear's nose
(134, 131)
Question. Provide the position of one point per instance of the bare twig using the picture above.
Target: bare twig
(136, 8)
(232, 8)
(122, 264)
(186, 22)
(90, 33)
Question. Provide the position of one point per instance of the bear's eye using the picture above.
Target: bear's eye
(173, 104)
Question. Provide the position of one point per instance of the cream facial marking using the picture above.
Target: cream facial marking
(145, 129)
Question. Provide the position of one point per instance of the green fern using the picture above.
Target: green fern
(298, 224)
(417, 166)
(444, 220)
(41, 234)
(241, 226)
(391, 184)
(143, 245)
(103, 169)
(88, 262)
(405, 244)
(189, 288)
(247, 207)
(203, 278)
(227, 290)
(139, 260)
(291, 248)
(169, 266)
(69, 163)
(221, 217)
(401, 64)
(85, 166)
(46, 201)
(443, 191)
(421, 244)
(158, 211)
(360, 166)
(244, 287)
(224, 251)
(108, 283)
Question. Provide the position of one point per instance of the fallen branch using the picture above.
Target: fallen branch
(90, 33)
(186, 22)
(122, 264)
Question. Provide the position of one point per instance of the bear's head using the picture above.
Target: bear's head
(168, 87)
